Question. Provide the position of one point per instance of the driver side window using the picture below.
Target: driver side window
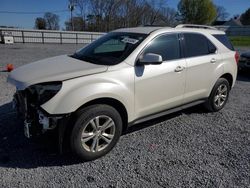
(167, 46)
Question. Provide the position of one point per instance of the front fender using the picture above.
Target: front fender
(77, 92)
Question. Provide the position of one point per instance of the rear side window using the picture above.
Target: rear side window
(197, 45)
(168, 46)
(225, 41)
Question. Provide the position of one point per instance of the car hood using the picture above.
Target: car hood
(246, 54)
(57, 68)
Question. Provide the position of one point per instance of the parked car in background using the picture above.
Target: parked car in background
(244, 62)
(126, 77)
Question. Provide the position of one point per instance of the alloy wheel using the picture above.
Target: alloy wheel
(221, 96)
(98, 133)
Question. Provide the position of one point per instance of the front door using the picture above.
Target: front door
(160, 87)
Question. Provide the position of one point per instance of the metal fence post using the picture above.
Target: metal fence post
(23, 37)
(61, 37)
(91, 37)
(76, 38)
(42, 37)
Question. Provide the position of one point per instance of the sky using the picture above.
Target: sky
(233, 7)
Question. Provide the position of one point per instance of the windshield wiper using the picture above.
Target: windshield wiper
(89, 58)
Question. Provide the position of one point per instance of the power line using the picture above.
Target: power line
(14, 12)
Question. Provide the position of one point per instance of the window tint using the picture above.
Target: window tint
(211, 47)
(167, 46)
(197, 45)
(111, 48)
(225, 41)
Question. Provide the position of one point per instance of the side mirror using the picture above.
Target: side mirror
(150, 58)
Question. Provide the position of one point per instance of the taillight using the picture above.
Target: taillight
(237, 57)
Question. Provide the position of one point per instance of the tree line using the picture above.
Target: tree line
(104, 16)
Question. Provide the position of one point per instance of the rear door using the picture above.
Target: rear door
(202, 59)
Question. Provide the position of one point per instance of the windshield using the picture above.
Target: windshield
(110, 49)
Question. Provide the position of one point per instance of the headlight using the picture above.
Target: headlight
(45, 91)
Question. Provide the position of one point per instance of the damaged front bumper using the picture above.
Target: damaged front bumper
(36, 120)
(35, 127)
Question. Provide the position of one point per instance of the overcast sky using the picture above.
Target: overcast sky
(233, 7)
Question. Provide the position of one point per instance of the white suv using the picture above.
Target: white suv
(127, 76)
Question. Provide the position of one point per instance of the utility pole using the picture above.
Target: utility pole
(71, 9)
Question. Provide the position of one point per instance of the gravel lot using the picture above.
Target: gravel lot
(190, 148)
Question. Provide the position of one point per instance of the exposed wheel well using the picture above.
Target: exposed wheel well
(114, 103)
(229, 78)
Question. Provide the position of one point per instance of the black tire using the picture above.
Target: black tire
(83, 118)
(211, 105)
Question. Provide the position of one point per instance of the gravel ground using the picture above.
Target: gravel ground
(190, 148)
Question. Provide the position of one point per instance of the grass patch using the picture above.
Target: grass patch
(240, 40)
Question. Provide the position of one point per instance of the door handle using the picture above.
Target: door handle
(179, 69)
(213, 60)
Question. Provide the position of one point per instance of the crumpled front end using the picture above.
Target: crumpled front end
(28, 101)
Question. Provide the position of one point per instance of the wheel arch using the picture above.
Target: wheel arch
(229, 78)
(119, 106)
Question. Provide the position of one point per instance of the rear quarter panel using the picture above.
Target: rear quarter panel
(230, 65)
(227, 63)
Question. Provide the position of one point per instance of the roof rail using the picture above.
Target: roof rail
(195, 26)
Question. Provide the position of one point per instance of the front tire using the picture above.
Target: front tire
(219, 96)
(96, 131)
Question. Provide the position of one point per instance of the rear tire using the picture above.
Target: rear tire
(219, 96)
(96, 131)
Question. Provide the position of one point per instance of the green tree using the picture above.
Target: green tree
(196, 11)
(40, 23)
(245, 17)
